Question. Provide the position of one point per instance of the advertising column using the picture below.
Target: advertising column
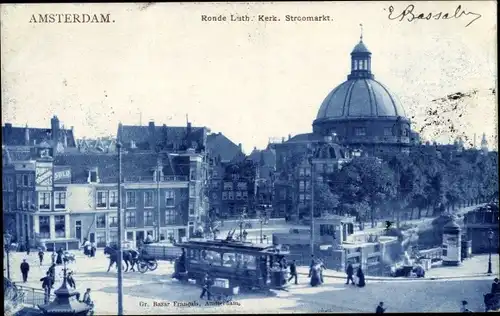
(451, 244)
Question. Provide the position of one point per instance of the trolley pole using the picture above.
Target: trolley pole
(120, 232)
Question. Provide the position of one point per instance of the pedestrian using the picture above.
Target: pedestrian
(315, 276)
(25, 268)
(52, 272)
(293, 272)
(321, 268)
(93, 248)
(380, 308)
(71, 280)
(47, 283)
(86, 298)
(245, 234)
(313, 262)
(207, 283)
(350, 271)
(40, 256)
(361, 277)
(59, 256)
(53, 256)
(464, 308)
(495, 287)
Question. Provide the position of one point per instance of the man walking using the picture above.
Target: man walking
(25, 268)
(380, 308)
(495, 287)
(313, 263)
(47, 282)
(207, 282)
(293, 271)
(350, 272)
(40, 256)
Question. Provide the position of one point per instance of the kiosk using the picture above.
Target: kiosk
(452, 244)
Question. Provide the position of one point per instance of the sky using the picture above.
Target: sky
(249, 80)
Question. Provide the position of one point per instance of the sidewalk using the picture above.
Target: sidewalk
(470, 268)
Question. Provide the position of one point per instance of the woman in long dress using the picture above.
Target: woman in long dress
(315, 275)
(361, 278)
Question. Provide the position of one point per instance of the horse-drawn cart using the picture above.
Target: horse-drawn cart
(162, 251)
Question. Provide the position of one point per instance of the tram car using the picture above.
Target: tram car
(244, 265)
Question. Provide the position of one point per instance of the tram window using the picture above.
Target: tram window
(211, 257)
(229, 260)
(194, 255)
(248, 262)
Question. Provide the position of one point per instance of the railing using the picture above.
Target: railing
(152, 179)
(434, 253)
(32, 296)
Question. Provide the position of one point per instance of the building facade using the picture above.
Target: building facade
(62, 200)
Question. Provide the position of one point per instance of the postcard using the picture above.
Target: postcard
(250, 157)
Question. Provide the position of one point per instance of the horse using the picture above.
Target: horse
(128, 256)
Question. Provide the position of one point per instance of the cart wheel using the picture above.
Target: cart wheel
(142, 267)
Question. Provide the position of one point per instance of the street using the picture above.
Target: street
(155, 292)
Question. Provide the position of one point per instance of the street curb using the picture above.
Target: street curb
(399, 278)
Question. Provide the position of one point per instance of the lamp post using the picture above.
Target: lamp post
(7, 239)
(120, 232)
(158, 179)
(490, 239)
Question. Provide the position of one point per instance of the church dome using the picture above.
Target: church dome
(360, 98)
(360, 48)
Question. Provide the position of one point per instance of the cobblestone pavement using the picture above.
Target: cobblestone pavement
(156, 293)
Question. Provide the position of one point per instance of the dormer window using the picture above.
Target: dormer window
(93, 176)
(132, 144)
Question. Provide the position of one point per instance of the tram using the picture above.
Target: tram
(237, 264)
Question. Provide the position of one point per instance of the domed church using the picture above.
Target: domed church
(363, 113)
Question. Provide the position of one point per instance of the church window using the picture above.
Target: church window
(361, 64)
(355, 65)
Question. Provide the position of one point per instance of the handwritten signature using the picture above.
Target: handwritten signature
(411, 16)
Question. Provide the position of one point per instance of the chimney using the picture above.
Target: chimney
(54, 123)
(152, 136)
(282, 139)
(240, 147)
(26, 135)
(72, 127)
(289, 136)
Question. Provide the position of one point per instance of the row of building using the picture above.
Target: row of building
(62, 190)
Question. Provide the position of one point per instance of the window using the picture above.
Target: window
(387, 131)
(235, 176)
(148, 218)
(192, 191)
(170, 217)
(113, 237)
(113, 198)
(214, 196)
(231, 195)
(245, 194)
(100, 221)
(60, 200)
(210, 257)
(242, 186)
(308, 185)
(130, 200)
(130, 219)
(228, 185)
(301, 198)
(101, 199)
(44, 227)
(148, 199)
(216, 185)
(113, 221)
(44, 200)
(307, 171)
(326, 230)
(355, 65)
(360, 131)
(60, 226)
(224, 195)
(301, 172)
(191, 209)
(329, 168)
(301, 185)
(170, 198)
(238, 195)
(100, 238)
(308, 197)
(10, 184)
(130, 236)
(25, 180)
(230, 260)
(192, 174)
(283, 194)
(92, 176)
